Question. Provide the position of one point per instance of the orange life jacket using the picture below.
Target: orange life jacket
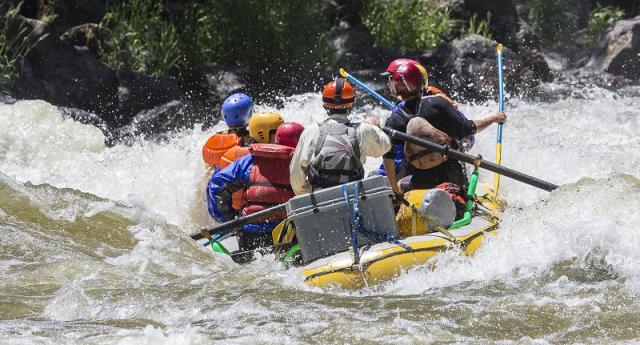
(269, 183)
(232, 154)
(217, 145)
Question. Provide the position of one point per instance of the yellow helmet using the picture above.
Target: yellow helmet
(262, 126)
(425, 75)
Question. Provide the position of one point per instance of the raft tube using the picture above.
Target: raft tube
(383, 262)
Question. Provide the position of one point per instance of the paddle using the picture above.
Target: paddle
(218, 228)
(446, 150)
(496, 178)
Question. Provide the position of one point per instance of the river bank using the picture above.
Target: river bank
(78, 56)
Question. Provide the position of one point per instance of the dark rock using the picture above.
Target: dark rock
(467, 69)
(353, 47)
(89, 118)
(6, 98)
(137, 92)
(84, 117)
(533, 61)
(171, 116)
(64, 14)
(214, 82)
(556, 62)
(348, 11)
(57, 72)
(504, 18)
(618, 52)
(85, 35)
(527, 38)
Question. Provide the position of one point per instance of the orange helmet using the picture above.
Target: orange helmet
(338, 94)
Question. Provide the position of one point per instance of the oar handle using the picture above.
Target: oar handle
(210, 231)
(446, 150)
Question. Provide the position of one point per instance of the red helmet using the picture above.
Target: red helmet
(289, 133)
(406, 81)
(338, 94)
(393, 66)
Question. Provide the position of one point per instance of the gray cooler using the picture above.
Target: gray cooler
(322, 222)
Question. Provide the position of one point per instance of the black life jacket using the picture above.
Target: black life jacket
(337, 156)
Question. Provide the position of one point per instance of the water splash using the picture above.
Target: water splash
(93, 249)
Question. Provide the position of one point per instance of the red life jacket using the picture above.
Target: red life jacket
(269, 183)
(458, 196)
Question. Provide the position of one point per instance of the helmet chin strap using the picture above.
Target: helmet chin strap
(405, 83)
(392, 87)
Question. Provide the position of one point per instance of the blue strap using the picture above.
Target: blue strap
(383, 238)
(354, 238)
(359, 223)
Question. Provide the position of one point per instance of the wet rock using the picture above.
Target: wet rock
(466, 68)
(86, 35)
(84, 117)
(504, 24)
(171, 116)
(618, 52)
(348, 11)
(527, 38)
(57, 72)
(214, 82)
(89, 118)
(535, 63)
(61, 15)
(138, 92)
(6, 98)
(353, 47)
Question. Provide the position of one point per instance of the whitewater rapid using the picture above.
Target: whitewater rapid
(93, 245)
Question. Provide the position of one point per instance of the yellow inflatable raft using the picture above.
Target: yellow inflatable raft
(382, 262)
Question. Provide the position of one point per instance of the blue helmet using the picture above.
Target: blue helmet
(237, 109)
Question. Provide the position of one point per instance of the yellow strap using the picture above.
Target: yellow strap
(414, 223)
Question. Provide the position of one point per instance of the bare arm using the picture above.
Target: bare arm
(390, 168)
(481, 124)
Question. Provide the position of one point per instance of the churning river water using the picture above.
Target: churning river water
(94, 245)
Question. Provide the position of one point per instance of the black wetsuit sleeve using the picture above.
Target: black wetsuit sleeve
(449, 120)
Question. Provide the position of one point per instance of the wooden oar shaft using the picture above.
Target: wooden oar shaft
(208, 232)
(445, 150)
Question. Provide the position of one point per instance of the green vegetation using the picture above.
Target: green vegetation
(601, 19)
(139, 38)
(277, 37)
(481, 28)
(554, 20)
(407, 25)
(13, 49)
